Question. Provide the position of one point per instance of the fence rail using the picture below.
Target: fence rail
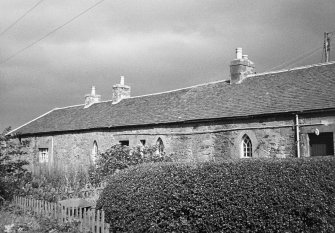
(89, 220)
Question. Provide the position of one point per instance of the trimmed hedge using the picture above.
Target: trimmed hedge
(249, 195)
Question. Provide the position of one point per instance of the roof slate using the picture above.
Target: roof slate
(300, 89)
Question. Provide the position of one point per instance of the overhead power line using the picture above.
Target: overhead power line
(50, 33)
(305, 57)
(297, 59)
(20, 18)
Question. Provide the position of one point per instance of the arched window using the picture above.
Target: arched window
(246, 147)
(160, 146)
(94, 151)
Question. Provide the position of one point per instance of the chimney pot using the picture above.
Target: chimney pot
(93, 90)
(239, 53)
(122, 80)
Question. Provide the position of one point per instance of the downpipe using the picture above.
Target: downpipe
(297, 132)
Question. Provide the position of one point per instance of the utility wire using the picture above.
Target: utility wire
(296, 59)
(20, 18)
(300, 58)
(49, 33)
(303, 58)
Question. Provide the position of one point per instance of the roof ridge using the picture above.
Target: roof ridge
(30, 121)
(295, 68)
(71, 106)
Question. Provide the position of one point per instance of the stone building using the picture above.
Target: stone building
(286, 113)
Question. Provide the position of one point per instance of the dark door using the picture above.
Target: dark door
(322, 144)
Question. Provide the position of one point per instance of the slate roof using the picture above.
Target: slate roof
(295, 90)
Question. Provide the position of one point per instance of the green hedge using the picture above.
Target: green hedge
(249, 195)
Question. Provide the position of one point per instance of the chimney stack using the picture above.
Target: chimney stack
(92, 98)
(120, 91)
(240, 67)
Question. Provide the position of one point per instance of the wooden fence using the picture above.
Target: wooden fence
(89, 220)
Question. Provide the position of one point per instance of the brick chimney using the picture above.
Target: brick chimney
(120, 91)
(240, 67)
(92, 98)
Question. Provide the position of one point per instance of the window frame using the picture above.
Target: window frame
(94, 152)
(246, 147)
(43, 155)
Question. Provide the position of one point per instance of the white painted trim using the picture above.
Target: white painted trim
(30, 121)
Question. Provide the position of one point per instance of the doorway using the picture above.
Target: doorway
(322, 144)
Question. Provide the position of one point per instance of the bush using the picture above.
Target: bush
(250, 195)
(119, 157)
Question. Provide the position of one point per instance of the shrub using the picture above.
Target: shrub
(250, 195)
(119, 157)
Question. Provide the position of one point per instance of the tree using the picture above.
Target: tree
(12, 170)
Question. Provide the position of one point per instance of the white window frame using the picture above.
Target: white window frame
(246, 147)
(43, 155)
(94, 154)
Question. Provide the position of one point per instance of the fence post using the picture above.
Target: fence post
(61, 213)
(24, 205)
(93, 221)
(90, 219)
(98, 220)
(102, 221)
(34, 206)
(38, 207)
(84, 218)
(80, 219)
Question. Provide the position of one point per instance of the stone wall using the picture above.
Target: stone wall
(270, 137)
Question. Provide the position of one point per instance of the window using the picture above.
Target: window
(124, 143)
(94, 151)
(246, 147)
(160, 146)
(322, 144)
(43, 155)
(142, 142)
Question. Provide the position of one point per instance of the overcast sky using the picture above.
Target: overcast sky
(158, 45)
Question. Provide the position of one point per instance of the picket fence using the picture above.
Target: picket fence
(89, 220)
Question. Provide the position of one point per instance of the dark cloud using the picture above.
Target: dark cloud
(157, 45)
